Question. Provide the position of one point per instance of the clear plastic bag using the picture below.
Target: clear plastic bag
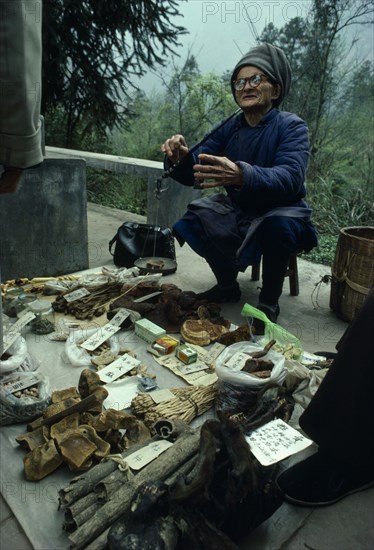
(19, 405)
(285, 341)
(242, 378)
(238, 390)
(78, 356)
(15, 356)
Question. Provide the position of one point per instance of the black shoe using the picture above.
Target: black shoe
(219, 294)
(319, 480)
(271, 314)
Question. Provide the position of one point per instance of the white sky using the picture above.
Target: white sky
(221, 31)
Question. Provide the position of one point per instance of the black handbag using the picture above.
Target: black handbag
(141, 240)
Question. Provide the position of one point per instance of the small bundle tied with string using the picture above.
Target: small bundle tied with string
(187, 404)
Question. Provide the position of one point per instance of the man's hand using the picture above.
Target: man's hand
(175, 148)
(219, 170)
(10, 179)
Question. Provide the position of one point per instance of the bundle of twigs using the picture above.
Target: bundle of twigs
(188, 403)
(89, 306)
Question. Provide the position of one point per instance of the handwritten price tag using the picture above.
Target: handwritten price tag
(76, 294)
(100, 336)
(19, 385)
(144, 456)
(195, 367)
(118, 368)
(276, 441)
(15, 330)
(120, 316)
(237, 361)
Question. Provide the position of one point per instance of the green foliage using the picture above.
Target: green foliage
(325, 252)
(336, 205)
(93, 49)
(190, 104)
(117, 191)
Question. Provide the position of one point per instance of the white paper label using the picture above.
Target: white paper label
(237, 361)
(101, 335)
(76, 294)
(14, 332)
(144, 456)
(121, 393)
(276, 441)
(194, 367)
(118, 368)
(215, 351)
(19, 385)
(200, 378)
(120, 316)
(160, 396)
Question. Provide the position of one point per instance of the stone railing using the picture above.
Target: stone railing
(164, 210)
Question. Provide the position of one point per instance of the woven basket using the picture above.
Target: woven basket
(352, 271)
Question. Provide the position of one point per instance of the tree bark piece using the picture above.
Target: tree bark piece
(160, 469)
(85, 483)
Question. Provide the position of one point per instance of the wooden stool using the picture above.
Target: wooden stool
(291, 272)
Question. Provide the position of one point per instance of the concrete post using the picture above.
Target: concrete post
(43, 226)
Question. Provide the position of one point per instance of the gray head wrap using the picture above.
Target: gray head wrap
(273, 62)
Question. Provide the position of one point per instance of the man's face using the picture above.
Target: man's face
(259, 99)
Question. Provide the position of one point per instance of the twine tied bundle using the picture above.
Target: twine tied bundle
(188, 403)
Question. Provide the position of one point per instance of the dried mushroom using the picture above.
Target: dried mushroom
(88, 382)
(62, 395)
(102, 447)
(60, 429)
(76, 449)
(31, 440)
(201, 331)
(42, 461)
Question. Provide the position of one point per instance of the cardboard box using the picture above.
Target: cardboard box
(186, 354)
(148, 331)
(165, 345)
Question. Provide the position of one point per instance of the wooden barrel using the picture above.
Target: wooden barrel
(352, 271)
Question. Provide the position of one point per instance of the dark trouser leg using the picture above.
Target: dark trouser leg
(226, 275)
(274, 269)
(339, 419)
(278, 237)
(227, 288)
(340, 416)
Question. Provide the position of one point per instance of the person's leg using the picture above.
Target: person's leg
(339, 419)
(278, 237)
(227, 289)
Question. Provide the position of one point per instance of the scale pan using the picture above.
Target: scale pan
(166, 266)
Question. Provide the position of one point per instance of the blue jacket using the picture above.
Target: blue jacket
(273, 156)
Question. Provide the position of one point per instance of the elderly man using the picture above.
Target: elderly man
(260, 157)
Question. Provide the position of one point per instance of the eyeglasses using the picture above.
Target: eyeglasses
(254, 81)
